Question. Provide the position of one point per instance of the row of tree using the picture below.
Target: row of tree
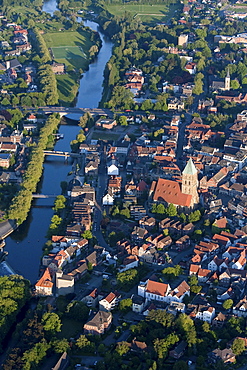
(21, 203)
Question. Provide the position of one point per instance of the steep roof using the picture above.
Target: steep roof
(190, 168)
(170, 192)
(157, 288)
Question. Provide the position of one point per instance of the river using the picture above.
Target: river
(24, 246)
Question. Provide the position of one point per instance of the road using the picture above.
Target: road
(101, 187)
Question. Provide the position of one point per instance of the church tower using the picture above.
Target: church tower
(228, 81)
(190, 182)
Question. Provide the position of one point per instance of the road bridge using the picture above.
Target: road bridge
(64, 111)
(62, 154)
(44, 196)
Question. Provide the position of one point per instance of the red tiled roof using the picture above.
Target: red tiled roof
(170, 192)
(156, 288)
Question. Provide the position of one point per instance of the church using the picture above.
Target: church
(168, 191)
(221, 84)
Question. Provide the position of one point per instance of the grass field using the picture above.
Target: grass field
(148, 13)
(69, 47)
(67, 88)
(104, 136)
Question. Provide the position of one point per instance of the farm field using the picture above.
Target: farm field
(147, 13)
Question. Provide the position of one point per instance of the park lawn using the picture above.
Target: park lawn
(69, 47)
(147, 13)
(67, 88)
(25, 10)
(104, 136)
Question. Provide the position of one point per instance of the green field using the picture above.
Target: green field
(147, 13)
(69, 47)
(67, 88)
(105, 136)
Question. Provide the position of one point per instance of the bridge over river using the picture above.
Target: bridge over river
(64, 111)
(63, 154)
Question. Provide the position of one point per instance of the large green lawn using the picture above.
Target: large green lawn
(148, 13)
(69, 47)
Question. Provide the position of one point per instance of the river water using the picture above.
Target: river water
(24, 246)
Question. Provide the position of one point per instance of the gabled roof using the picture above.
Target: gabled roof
(154, 287)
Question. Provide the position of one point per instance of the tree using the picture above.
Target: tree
(171, 210)
(125, 212)
(235, 84)
(123, 121)
(84, 344)
(161, 346)
(87, 234)
(186, 326)
(227, 304)
(160, 317)
(122, 348)
(183, 217)
(172, 272)
(180, 365)
(125, 305)
(160, 208)
(51, 322)
(59, 203)
(194, 216)
(238, 346)
(60, 345)
(77, 310)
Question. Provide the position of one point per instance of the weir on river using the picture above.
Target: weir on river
(24, 246)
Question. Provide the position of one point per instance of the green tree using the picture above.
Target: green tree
(122, 348)
(84, 344)
(238, 346)
(160, 209)
(60, 345)
(125, 212)
(123, 121)
(51, 322)
(160, 317)
(87, 234)
(172, 272)
(60, 203)
(161, 346)
(227, 304)
(125, 305)
(235, 84)
(171, 210)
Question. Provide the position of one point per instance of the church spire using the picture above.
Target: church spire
(228, 80)
(190, 182)
(190, 168)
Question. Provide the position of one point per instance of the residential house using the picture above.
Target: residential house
(240, 309)
(219, 320)
(178, 351)
(109, 302)
(138, 303)
(202, 312)
(98, 324)
(44, 285)
(64, 284)
(225, 355)
(92, 298)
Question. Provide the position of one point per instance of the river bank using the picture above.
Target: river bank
(24, 246)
